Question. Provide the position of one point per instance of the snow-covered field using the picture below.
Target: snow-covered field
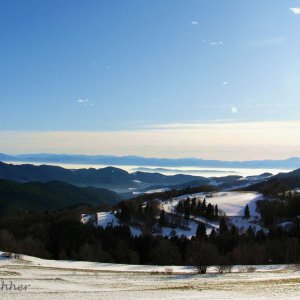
(232, 203)
(74, 280)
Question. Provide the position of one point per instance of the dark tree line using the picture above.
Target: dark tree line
(166, 195)
(60, 235)
(283, 208)
(198, 208)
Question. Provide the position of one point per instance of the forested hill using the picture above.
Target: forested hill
(109, 177)
(278, 183)
(36, 196)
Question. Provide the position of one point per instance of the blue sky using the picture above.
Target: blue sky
(113, 66)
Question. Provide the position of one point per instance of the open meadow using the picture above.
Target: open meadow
(73, 280)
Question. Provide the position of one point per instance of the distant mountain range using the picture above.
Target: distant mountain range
(110, 178)
(290, 163)
(37, 196)
(118, 180)
(29, 187)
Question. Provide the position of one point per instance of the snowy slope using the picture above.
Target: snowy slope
(52, 279)
(105, 219)
(232, 203)
(86, 265)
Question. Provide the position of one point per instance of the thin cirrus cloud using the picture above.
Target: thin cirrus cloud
(266, 42)
(295, 10)
(84, 102)
(249, 105)
(194, 23)
(216, 43)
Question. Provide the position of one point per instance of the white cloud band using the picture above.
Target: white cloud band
(231, 141)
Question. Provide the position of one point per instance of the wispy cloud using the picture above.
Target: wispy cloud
(216, 43)
(266, 42)
(225, 83)
(85, 102)
(249, 105)
(295, 10)
(275, 104)
(216, 106)
(194, 23)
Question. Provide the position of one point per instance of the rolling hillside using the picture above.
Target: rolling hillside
(36, 196)
(278, 183)
(109, 177)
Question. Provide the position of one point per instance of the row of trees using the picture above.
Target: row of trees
(134, 213)
(199, 208)
(274, 211)
(59, 235)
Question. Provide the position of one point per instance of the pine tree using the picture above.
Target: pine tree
(209, 211)
(247, 212)
(216, 211)
(233, 231)
(193, 206)
(250, 233)
(199, 209)
(203, 206)
(180, 207)
(212, 235)
(140, 212)
(187, 213)
(201, 231)
(125, 213)
(162, 219)
(223, 226)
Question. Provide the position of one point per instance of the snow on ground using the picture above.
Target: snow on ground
(162, 190)
(170, 205)
(50, 279)
(233, 203)
(190, 232)
(258, 177)
(208, 223)
(85, 218)
(136, 181)
(287, 225)
(109, 219)
(244, 224)
(135, 231)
